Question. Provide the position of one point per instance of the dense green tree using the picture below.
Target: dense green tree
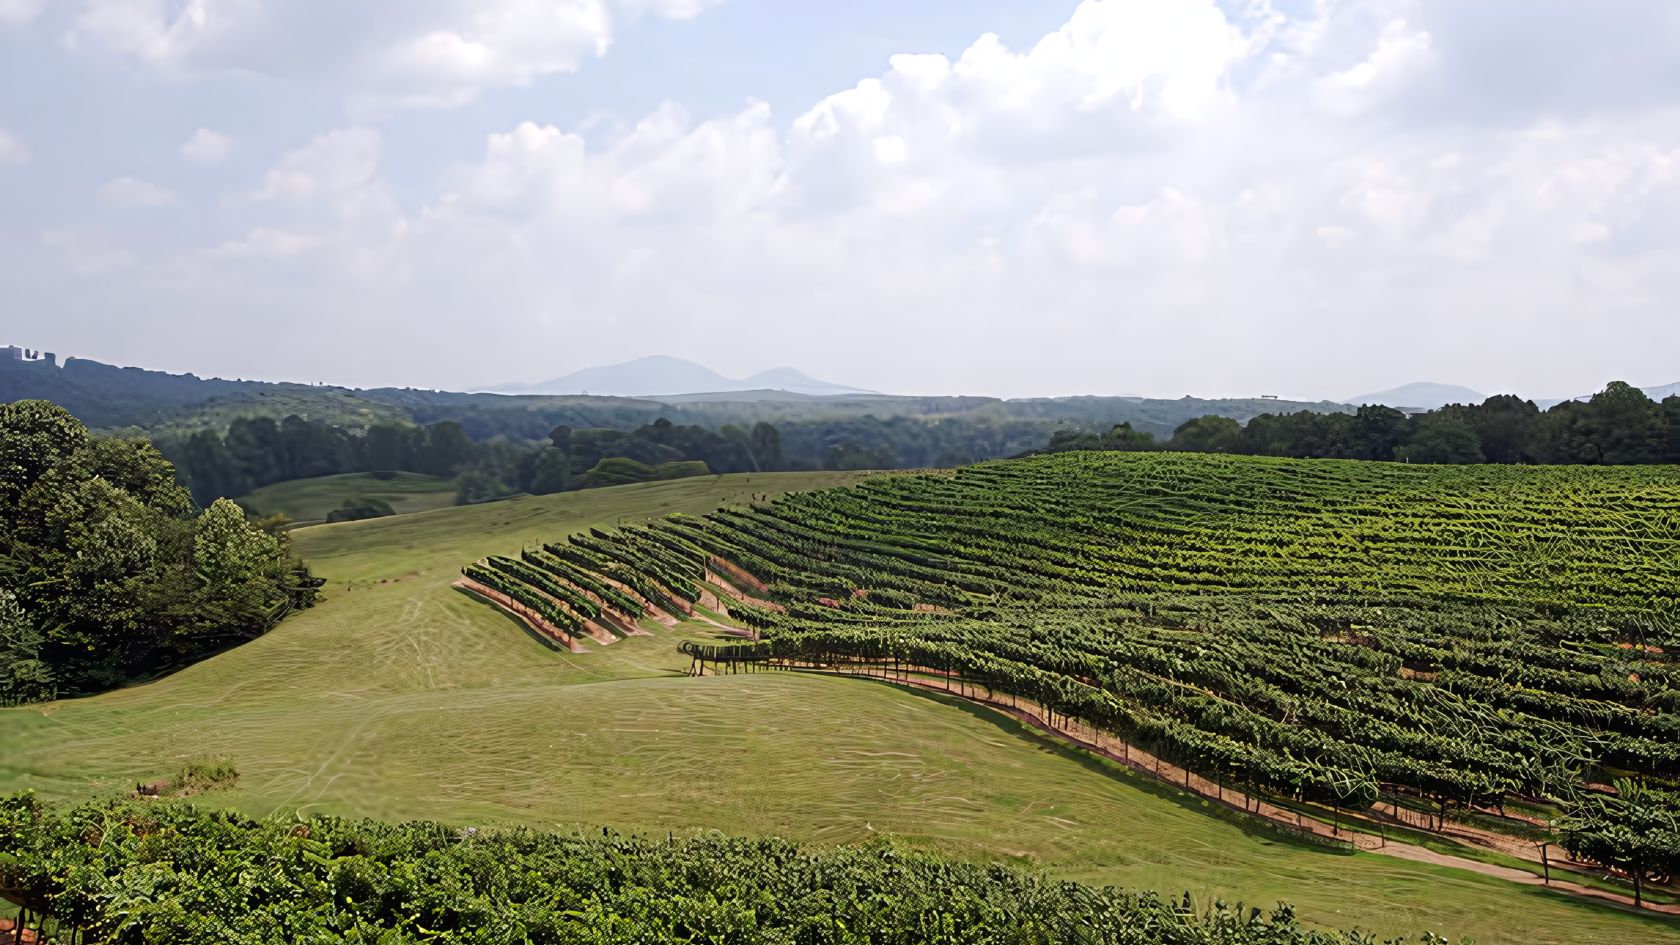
(389, 447)
(1620, 425)
(1303, 434)
(1122, 437)
(1670, 412)
(447, 449)
(209, 468)
(254, 445)
(1441, 438)
(550, 472)
(35, 436)
(24, 676)
(107, 576)
(312, 448)
(1209, 434)
(1504, 425)
(475, 486)
(767, 446)
(1375, 432)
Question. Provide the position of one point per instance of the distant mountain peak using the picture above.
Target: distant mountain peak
(1664, 391)
(1419, 395)
(664, 375)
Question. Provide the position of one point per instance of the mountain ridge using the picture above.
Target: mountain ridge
(664, 375)
(1428, 395)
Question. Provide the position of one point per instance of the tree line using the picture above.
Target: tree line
(260, 451)
(109, 572)
(1617, 426)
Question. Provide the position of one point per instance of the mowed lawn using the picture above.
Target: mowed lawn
(400, 698)
(309, 500)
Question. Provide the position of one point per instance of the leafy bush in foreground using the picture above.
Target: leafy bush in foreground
(168, 872)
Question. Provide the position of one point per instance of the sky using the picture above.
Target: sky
(1311, 198)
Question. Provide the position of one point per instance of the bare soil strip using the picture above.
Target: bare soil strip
(734, 593)
(616, 622)
(740, 575)
(521, 613)
(710, 601)
(653, 610)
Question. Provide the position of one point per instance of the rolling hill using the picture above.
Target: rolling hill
(400, 698)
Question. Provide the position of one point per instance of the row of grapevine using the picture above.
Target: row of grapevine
(1324, 630)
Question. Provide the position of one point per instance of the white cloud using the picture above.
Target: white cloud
(380, 52)
(88, 253)
(207, 147)
(331, 167)
(131, 192)
(12, 151)
(18, 12)
(673, 9)
(329, 210)
(1241, 197)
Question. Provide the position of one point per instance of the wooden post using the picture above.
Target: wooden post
(1545, 863)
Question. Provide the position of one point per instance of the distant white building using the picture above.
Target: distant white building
(14, 353)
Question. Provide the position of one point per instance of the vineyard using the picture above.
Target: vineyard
(1447, 641)
(171, 873)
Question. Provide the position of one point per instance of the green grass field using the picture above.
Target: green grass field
(309, 500)
(400, 698)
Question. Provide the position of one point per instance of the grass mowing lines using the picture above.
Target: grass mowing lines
(468, 722)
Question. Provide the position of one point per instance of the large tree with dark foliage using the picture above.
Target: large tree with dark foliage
(108, 573)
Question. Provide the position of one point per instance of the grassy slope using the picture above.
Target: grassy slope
(400, 698)
(309, 500)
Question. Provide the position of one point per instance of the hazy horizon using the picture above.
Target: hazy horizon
(500, 387)
(1120, 197)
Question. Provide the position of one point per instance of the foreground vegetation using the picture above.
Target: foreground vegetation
(95, 869)
(400, 698)
(1346, 634)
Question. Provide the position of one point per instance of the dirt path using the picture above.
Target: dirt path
(1101, 743)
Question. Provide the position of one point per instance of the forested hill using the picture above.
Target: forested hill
(108, 397)
(228, 437)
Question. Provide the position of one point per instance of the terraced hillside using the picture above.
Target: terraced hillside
(1455, 642)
